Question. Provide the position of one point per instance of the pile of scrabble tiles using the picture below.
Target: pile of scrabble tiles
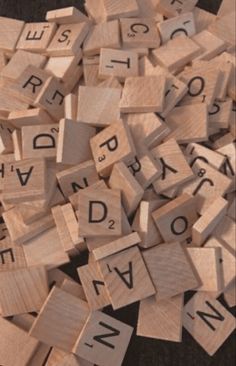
(117, 138)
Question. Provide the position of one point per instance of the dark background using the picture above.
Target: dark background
(142, 351)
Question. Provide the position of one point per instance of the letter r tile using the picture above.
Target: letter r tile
(99, 212)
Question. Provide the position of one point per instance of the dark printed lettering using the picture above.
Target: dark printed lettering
(103, 217)
(50, 145)
(128, 282)
(24, 177)
(34, 81)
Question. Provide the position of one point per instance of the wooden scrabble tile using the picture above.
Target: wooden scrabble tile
(17, 144)
(3, 60)
(171, 8)
(73, 288)
(143, 94)
(228, 263)
(230, 294)
(36, 37)
(131, 191)
(98, 106)
(117, 245)
(201, 152)
(73, 142)
(10, 30)
(8, 101)
(39, 141)
(102, 35)
(98, 242)
(223, 27)
(207, 262)
(111, 145)
(99, 212)
(11, 255)
(176, 53)
(94, 286)
(111, 82)
(28, 86)
(68, 39)
(15, 344)
(175, 89)
(232, 210)
(147, 9)
(118, 63)
(19, 61)
(188, 123)
(161, 319)
(121, 9)
(202, 85)
(23, 321)
(63, 231)
(170, 269)
(95, 10)
(90, 69)
(226, 71)
(74, 198)
(226, 7)
(210, 219)
(67, 15)
(146, 127)
(72, 225)
(45, 249)
(74, 78)
(211, 45)
(56, 277)
(144, 224)
(56, 355)
(144, 167)
(51, 98)
(72, 323)
(32, 211)
(77, 177)
(175, 219)
(228, 151)
(6, 142)
(72, 360)
(202, 18)
(70, 106)
(141, 51)
(226, 234)
(139, 32)
(208, 184)
(183, 24)
(29, 117)
(208, 322)
(25, 180)
(21, 232)
(223, 141)
(175, 169)
(64, 67)
(23, 290)
(91, 345)
(126, 277)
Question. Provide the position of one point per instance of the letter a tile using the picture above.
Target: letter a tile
(126, 277)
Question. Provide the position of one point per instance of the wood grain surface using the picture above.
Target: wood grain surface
(142, 351)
